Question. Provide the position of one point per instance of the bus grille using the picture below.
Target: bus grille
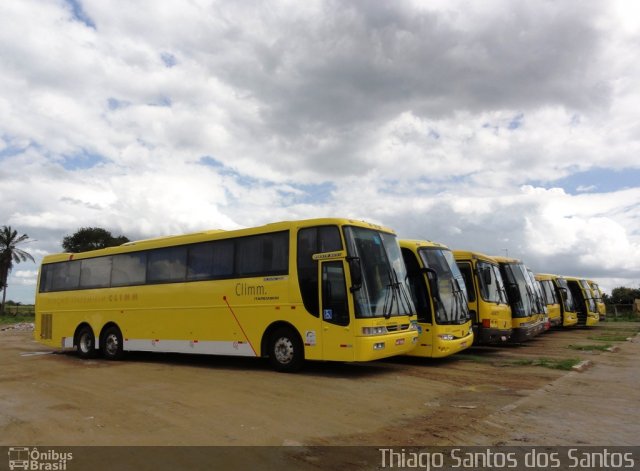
(395, 327)
(46, 326)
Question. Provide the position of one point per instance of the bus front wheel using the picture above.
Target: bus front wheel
(286, 352)
(86, 342)
(111, 344)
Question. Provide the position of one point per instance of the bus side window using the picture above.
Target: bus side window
(262, 255)
(66, 276)
(95, 272)
(211, 260)
(335, 307)
(129, 269)
(167, 264)
(46, 278)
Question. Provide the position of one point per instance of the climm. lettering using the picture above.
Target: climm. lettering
(244, 289)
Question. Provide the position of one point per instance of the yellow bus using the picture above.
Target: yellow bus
(439, 294)
(318, 289)
(541, 305)
(551, 299)
(527, 318)
(585, 303)
(488, 305)
(559, 300)
(597, 295)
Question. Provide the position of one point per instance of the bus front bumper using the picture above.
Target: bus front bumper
(489, 335)
(592, 319)
(527, 332)
(556, 321)
(570, 320)
(444, 348)
(384, 346)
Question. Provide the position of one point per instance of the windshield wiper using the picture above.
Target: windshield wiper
(460, 301)
(503, 294)
(532, 299)
(451, 314)
(395, 295)
(389, 298)
(404, 295)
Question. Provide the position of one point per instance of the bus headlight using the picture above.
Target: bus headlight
(374, 330)
(446, 336)
(378, 346)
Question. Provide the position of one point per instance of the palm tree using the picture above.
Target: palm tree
(10, 253)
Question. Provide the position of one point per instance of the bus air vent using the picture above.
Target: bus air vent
(46, 326)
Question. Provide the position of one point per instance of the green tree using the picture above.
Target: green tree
(622, 295)
(10, 254)
(91, 238)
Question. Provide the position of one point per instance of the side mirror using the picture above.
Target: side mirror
(355, 267)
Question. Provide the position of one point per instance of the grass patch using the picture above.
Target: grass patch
(475, 358)
(16, 313)
(618, 328)
(16, 319)
(564, 364)
(589, 348)
(617, 337)
(555, 364)
(623, 318)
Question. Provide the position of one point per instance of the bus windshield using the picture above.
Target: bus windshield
(518, 278)
(540, 306)
(451, 298)
(490, 281)
(384, 290)
(567, 297)
(588, 295)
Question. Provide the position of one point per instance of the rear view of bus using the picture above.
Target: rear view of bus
(585, 302)
(439, 294)
(488, 305)
(528, 320)
(559, 300)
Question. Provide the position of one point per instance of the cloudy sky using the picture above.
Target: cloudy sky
(499, 126)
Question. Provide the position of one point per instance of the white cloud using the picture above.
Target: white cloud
(26, 277)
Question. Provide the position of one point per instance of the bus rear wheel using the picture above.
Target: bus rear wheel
(86, 342)
(111, 344)
(286, 352)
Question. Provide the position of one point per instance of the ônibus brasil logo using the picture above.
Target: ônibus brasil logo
(21, 457)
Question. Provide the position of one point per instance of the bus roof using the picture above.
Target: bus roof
(575, 278)
(203, 236)
(470, 254)
(548, 276)
(501, 259)
(411, 243)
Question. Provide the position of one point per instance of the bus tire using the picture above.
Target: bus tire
(111, 344)
(286, 352)
(86, 342)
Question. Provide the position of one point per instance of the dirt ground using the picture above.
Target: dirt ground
(484, 396)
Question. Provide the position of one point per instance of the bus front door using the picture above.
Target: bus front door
(337, 335)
